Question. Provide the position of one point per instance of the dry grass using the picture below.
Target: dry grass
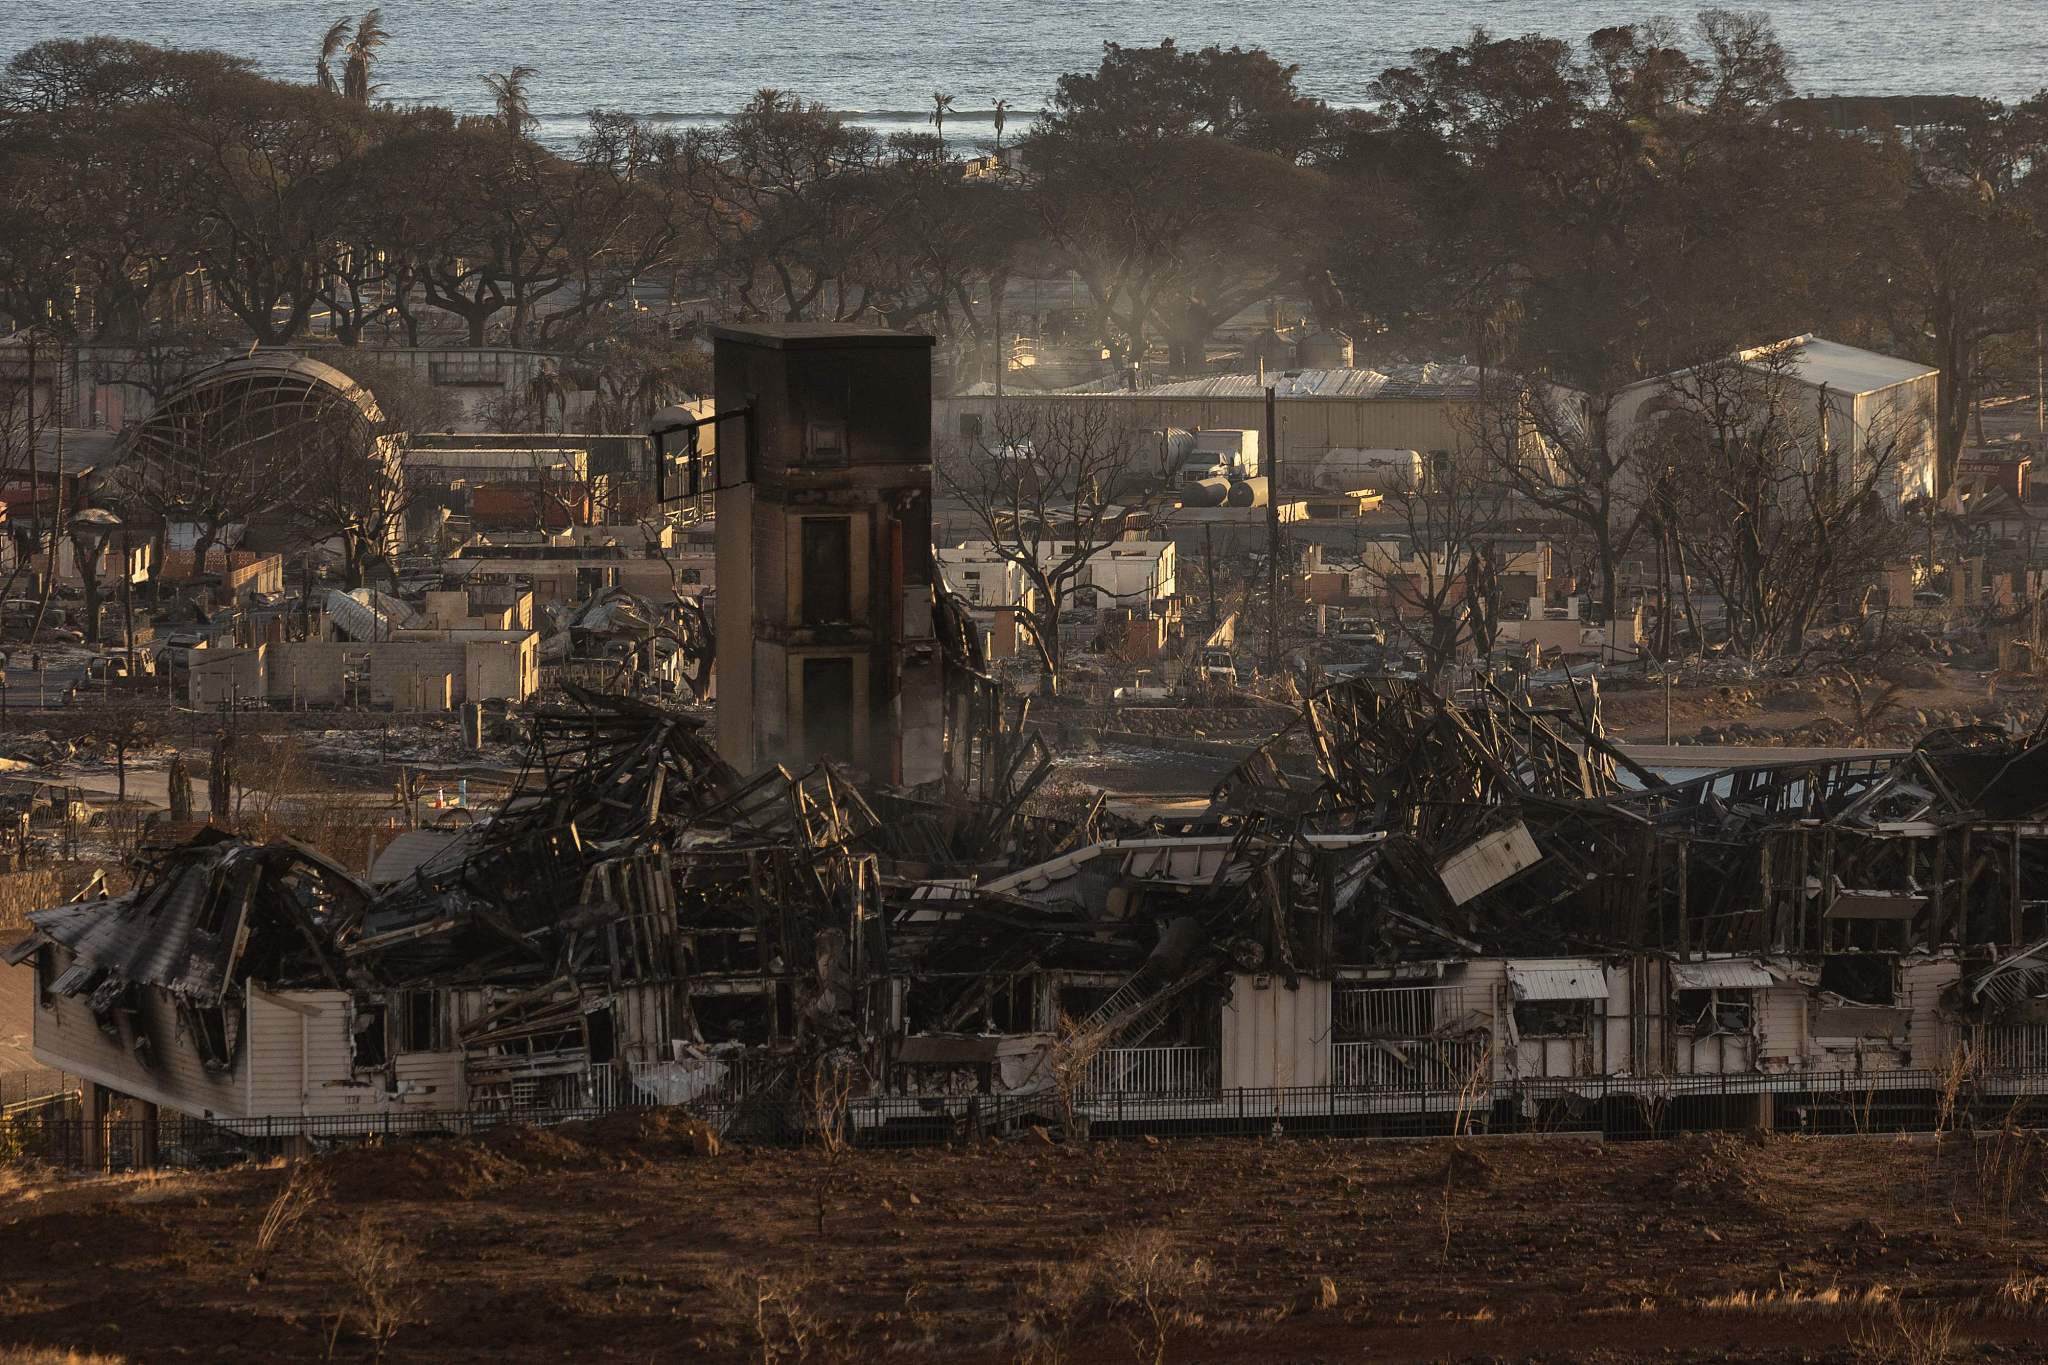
(376, 1270)
(1819, 1302)
(1050, 1305)
(38, 1355)
(1906, 1338)
(1139, 1278)
(1146, 1275)
(304, 1190)
(771, 1313)
(2021, 1296)
(38, 888)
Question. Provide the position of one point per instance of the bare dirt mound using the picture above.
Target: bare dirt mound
(646, 1132)
(1718, 1169)
(457, 1168)
(452, 1168)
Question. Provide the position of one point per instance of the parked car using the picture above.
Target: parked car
(1145, 687)
(175, 649)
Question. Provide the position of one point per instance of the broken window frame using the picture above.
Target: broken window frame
(1726, 1009)
(1537, 1018)
(369, 1033)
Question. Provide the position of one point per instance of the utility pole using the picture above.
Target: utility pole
(1271, 467)
(1209, 561)
(128, 605)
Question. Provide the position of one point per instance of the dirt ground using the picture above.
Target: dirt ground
(623, 1243)
(1886, 710)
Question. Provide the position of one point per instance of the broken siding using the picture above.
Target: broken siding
(1930, 1039)
(301, 1061)
(69, 1038)
(1485, 984)
(1488, 861)
(1615, 1023)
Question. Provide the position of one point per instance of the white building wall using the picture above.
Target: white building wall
(1274, 1036)
(300, 1062)
(1931, 1040)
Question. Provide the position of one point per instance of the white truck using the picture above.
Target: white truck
(1222, 454)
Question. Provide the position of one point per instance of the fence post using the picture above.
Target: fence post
(92, 1128)
(146, 1138)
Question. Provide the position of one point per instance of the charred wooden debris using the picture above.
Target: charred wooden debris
(641, 921)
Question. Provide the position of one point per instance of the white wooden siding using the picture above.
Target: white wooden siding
(68, 1038)
(1276, 1036)
(1929, 1038)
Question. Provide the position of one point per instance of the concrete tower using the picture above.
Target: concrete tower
(824, 620)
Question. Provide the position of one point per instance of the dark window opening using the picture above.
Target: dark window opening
(419, 1018)
(1864, 978)
(600, 1034)
(46, 973)
(825, 443)
(214, 1035)
(1715, 1011)
(828, 708)
(827, 570)
(718, 951)
(1553, 1018)
(368, 1046)
(734, 1018)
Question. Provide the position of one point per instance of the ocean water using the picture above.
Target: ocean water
(695, 60)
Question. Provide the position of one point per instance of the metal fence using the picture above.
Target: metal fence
(27, 1090)
(1832, 1103)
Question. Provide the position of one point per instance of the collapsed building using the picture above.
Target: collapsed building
(1397, 897)
(1399, 902)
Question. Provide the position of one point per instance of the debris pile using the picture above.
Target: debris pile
(639, 919)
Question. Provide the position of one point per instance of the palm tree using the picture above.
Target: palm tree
(508, 93)
(330, 48)
(1002, 108)
(362, 55)
(942, 104)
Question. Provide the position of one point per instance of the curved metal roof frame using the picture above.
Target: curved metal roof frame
(257, 420)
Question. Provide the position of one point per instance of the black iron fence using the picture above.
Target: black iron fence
(1831, 1103)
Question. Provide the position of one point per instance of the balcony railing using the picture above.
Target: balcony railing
(1151, 1071)
(1435, 1064)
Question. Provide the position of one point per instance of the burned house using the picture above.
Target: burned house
(1396, 900)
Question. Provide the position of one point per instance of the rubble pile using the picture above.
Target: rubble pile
(641, 920)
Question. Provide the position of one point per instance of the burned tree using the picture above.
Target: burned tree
(1438, 573)
(1558, 452)
(1049, 485)
(1788, 511)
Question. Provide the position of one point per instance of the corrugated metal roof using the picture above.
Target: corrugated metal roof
(417, 850)
(1727, 974)
(1559, 979)
(1426, 380)
(1843, 368)
(366, 614)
